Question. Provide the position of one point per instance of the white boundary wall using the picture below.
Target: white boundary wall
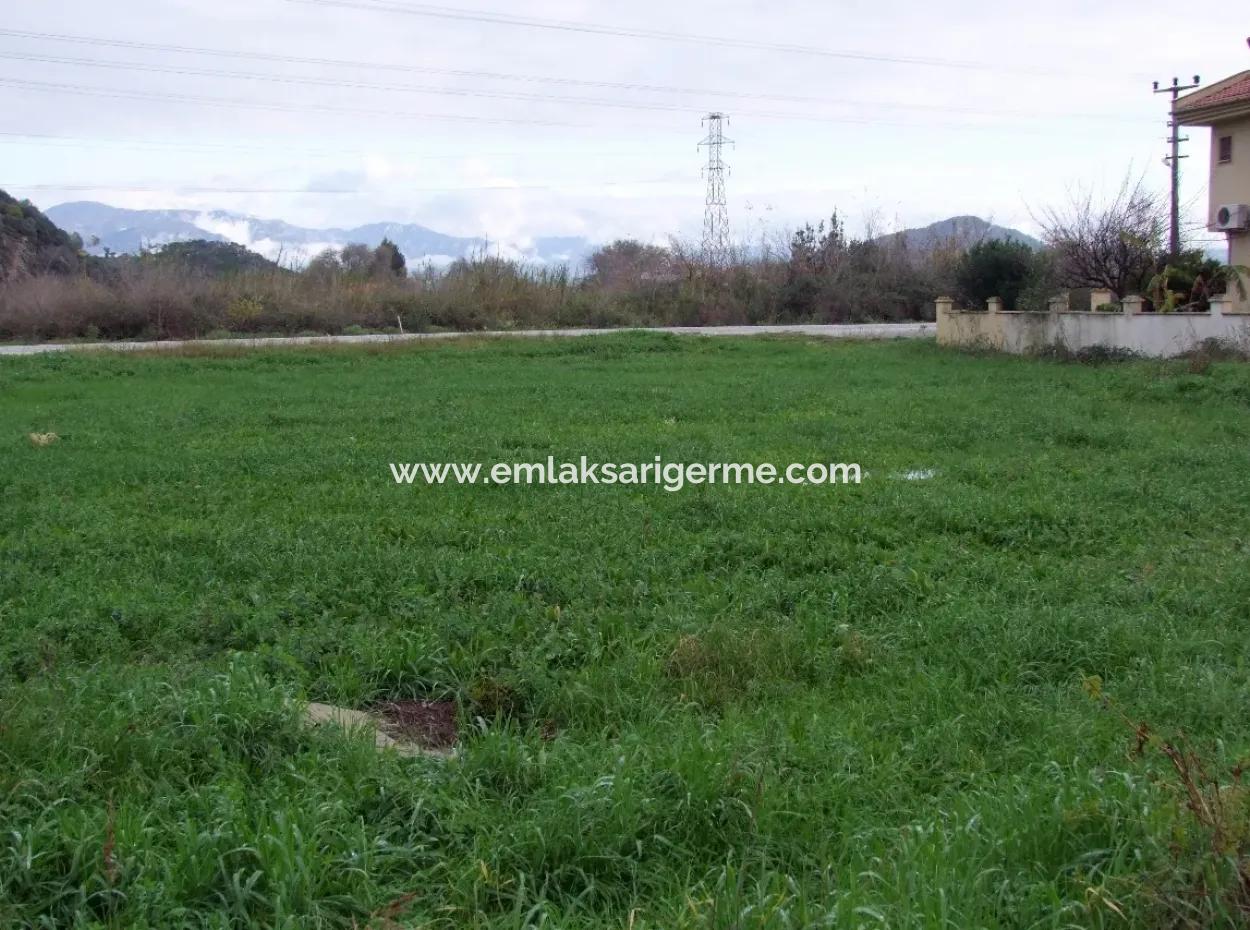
(1153, 334)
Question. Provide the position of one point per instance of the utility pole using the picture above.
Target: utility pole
(1174, 160)
(716, 209)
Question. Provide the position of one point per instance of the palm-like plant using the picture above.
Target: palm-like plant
(1166, 300)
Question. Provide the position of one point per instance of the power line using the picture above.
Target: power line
(333, 82)
(533, 22)
(179, 189)
(81, 89)
(30, 138)
(368, 85)
(423, 89)
(96, 41)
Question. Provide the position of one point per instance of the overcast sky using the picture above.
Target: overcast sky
(1010, 105)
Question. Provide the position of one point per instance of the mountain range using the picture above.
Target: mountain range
(106, 229)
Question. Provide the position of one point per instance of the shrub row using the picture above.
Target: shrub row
(171, 301)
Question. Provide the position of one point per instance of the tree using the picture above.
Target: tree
(627, 262)
(813, 250)
(325, 266)
(1112, 246)
(994, 268)
(388, 260)
(209, 258)
(356, 259)
(1191, 279)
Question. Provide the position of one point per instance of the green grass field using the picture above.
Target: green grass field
(727, 707)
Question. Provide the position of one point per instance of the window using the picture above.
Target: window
(1226, 149)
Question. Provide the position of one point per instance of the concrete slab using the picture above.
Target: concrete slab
(351, 720)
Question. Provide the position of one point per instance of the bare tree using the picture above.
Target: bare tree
(626, 263)
(1114, 245)
(356, 259)
(325, 266)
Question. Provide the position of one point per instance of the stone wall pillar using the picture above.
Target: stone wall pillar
(1132, 304)
(945, 314)
(994, 305)
(1099, 296)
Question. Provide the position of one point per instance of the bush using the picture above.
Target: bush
(995, 269)
(194, 289)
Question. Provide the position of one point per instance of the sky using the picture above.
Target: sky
(583, 117)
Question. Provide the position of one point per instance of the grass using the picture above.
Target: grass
(746, 707)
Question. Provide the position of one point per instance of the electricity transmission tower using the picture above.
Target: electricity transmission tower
(716, 210)
(1174, 161)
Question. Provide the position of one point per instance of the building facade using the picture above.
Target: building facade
(1224, 107)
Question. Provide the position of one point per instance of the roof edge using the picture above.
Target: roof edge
(1214, 114)
(1209, 102)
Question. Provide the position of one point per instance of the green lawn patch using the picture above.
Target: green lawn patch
(748, 707)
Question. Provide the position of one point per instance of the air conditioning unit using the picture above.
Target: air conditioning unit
(1232, 216)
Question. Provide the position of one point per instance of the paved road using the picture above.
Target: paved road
(845, 331)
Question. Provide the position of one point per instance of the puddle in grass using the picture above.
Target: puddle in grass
(918, 474)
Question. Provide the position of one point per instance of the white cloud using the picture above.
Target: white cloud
(894, 160)
(236, 230)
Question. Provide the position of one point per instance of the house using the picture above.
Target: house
(1111, 324)
(1225, 107)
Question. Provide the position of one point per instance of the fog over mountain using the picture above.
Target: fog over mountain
(105, 228)
(114, 229)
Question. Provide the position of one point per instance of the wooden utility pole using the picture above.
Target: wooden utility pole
(1174, 160)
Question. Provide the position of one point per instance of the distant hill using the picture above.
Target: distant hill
(30, 243)
(963, 231)
(123, 231)
(106, 229)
